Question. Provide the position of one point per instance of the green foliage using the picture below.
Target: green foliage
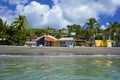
(114, 30)
(15, 36)
(3, 29)
(20, 23)
(92, 27)
(16, 33)
(76, 29)
(30, 33)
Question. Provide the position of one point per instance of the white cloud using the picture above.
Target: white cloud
(116, 2)
(77, 11)
(6, 14)
(103, 27)
(40, 15)
(62, 13)
(35, 13)
(54, 18)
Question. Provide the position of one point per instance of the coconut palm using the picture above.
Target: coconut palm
(113, 29)
(21, 23)
(3, 28)
(92, 26)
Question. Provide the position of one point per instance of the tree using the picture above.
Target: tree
(17, 31)
(113, 29)
(20, 23)
(3, 29)
(31, 32)
(92, 27)
(76, 29)
(50, 31)
(15, 36)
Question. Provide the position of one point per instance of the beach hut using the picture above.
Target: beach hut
(66, 42)
(31, 41)
(47, 40)
(79, 42)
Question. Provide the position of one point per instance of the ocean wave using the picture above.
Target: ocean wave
(76, 56)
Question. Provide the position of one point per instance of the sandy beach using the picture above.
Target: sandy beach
(59, 50)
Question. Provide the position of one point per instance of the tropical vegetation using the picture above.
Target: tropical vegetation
(17, 32)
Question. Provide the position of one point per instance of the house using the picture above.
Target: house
(66, 42)
(71, 42)
(79, 41)
(47, 40)
(31, 41)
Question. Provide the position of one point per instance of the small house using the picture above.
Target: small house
(66, 42)
(47, 40)
(31, 41)
(79, 41)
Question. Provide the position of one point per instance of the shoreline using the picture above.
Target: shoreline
(22, 50)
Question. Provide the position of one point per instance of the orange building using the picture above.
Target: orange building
(47, 40)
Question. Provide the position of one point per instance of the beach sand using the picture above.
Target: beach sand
(59, 50)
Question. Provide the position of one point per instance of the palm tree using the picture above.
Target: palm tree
(21, 23)
(3, 28)
(113, 29)
(92, 24)
(92, 27)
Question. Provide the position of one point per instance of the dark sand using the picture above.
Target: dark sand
(11, 50)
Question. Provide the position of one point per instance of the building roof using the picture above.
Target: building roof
(79, 39)
(66, 39)
(71, 39)
(50, 38)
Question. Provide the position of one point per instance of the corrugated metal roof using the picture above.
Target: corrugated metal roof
(66, 39)
(50, 38)
(79, 39)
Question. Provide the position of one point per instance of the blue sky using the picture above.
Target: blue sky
(60, 13)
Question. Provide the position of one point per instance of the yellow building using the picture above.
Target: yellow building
(103, 43)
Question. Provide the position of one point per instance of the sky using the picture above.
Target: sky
(60, 13)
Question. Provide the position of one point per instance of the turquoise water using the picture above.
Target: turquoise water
(59, 67)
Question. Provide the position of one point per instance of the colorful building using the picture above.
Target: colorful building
(103, 43)
(79, 41)
(71, 42)
(47, 40)
(31, 41)
(66, 42)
